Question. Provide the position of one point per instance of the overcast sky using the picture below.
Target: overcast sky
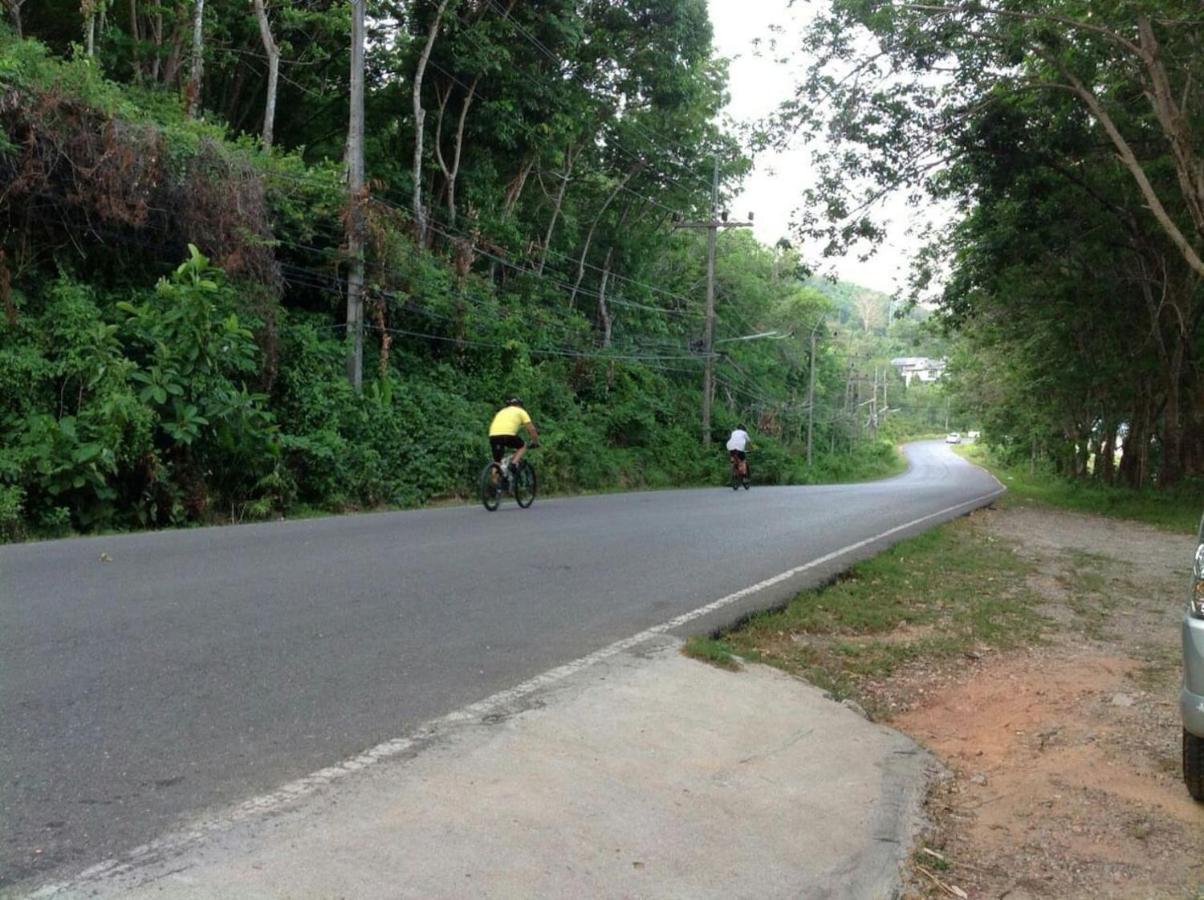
(774, 190)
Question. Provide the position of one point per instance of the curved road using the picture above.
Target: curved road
(145, 678)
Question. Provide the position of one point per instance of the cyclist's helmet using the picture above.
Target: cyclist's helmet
(514, 401)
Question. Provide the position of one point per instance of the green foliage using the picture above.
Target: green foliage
(12, 512)
(1177, 510)
(940, 594)
(134, 411)
(1073, 280)
(220, 393)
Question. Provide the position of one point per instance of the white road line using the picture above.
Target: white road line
(302, 787)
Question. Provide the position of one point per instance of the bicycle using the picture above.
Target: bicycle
(496, 480)
(738, 478)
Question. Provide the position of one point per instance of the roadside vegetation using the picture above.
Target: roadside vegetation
(1178, 509)
(173, 343)
(943, 594)
(1070, 270)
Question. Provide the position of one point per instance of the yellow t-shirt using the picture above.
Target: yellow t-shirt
(508, 421)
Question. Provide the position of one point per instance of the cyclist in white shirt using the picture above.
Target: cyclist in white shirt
(737, 449)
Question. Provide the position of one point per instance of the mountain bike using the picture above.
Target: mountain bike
(496, 480)
(738, 479)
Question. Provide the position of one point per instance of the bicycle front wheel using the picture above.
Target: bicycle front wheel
(491, 486)
(524, 485)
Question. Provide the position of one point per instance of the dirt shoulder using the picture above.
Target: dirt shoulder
(1060, 742)
(1063, 759)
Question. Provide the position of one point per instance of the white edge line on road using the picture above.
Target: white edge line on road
(302, 787)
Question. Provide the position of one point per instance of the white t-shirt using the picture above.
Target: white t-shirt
(738, 440)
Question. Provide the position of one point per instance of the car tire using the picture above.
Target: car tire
(1193, 764)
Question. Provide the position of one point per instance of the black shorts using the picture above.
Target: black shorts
(500, 443)
(737, 454)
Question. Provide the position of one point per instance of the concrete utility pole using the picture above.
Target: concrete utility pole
(355, 190)
(811, 396)
(874, 408)
(708, 336)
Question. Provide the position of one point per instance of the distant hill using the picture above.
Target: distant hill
(856, 306)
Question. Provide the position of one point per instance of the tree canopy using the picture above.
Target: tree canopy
(1065, 136)
(526, 165)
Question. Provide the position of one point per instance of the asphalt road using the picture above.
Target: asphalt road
(148, 678)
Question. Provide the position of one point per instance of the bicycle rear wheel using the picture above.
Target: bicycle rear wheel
(491, 486)
(524, 485)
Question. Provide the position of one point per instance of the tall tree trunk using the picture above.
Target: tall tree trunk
(234, 109)
(273, 52)
(1171, 440)
(594, 227)
(452, 172)
(14, 13)
(603, 312)
(89, 10)
(246, 117)
(514, 189)
(136, 38)
(569, 156)
(1105, 465)
(172, 63)
(156, 25)
(420, 219)
(1135, 458)
(196, 74)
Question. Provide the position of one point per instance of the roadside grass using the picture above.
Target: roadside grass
(950, 591)
(713, 651)
(1177, 510)
(885, 461)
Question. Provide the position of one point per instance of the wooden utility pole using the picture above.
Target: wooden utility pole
(355, 190)
(716, 222)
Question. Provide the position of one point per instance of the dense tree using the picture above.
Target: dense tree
(1066, 136)
(561, 140)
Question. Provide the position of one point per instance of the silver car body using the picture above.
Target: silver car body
(1191, 698)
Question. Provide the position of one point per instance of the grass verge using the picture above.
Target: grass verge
(1174, 510)
(712, 650)
(949, 591)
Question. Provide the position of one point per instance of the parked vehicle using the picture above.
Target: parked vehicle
(953, 438)
(1191, 698)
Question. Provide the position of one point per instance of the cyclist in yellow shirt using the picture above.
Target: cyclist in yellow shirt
(503, 432)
